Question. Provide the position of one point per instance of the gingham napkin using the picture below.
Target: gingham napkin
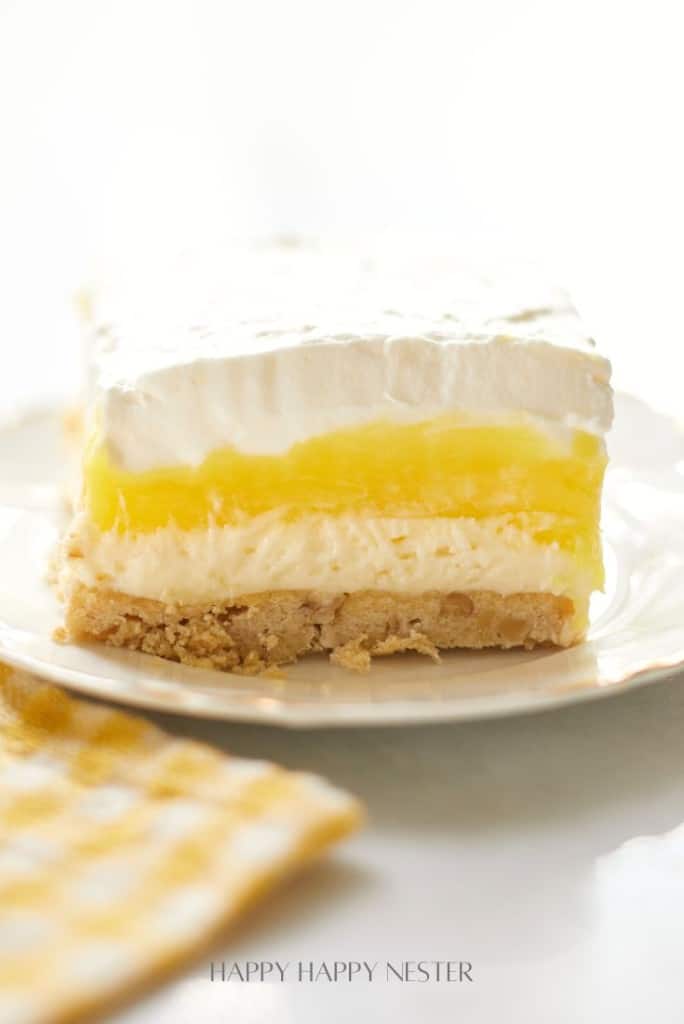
(123, 849)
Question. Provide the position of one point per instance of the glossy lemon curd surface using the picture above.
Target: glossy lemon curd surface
(441, 467)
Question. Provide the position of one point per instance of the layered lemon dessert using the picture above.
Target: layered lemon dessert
(356, 475)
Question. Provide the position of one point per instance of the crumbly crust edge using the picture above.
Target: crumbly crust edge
(257, 633)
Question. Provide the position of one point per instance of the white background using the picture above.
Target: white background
(546, 130)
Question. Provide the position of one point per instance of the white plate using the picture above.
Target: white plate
(637, 631)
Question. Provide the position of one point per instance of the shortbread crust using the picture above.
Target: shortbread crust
(260, 631)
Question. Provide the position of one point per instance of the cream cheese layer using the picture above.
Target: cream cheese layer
(327, 554)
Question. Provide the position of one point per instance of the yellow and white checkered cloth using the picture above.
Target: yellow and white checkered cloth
(123, 849)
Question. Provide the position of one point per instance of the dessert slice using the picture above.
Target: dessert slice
(359, 479)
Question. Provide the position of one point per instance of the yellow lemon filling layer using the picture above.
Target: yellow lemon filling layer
(440, 467)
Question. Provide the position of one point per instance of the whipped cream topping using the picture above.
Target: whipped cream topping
(287, 344)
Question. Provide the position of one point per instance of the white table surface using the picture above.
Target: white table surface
(501, 843)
